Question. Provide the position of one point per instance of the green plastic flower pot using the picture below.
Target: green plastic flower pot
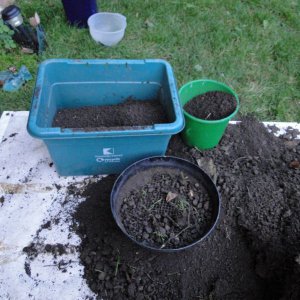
(204, 134)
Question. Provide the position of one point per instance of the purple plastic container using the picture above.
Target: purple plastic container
(78, 11)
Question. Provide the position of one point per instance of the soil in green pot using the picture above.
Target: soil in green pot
(211, 106)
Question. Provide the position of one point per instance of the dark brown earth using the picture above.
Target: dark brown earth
(254, 252)
(211, 106)
(128, 113)
(170, 209)
(35, 248)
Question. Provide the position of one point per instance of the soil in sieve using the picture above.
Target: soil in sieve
(130, 113)
(211, 106)
(167, 209)
(254, 252)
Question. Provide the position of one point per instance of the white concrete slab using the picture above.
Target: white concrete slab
(28, 189)
(31, 194)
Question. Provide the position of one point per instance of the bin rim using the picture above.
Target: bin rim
(59, 133)
(138, 166)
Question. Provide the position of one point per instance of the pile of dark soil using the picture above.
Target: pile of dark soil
(128, 113)
(171, 210)
(211, 106)
(254, 252)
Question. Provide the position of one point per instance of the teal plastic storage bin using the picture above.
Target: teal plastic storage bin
(65, 83)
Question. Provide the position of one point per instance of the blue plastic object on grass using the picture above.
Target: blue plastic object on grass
(41, 38)
(78, 11)
(65, 83)
(13, 81)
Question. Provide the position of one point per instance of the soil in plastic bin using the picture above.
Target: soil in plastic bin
(165, 208)
(254, 251)
(211, 106)
(119, 116)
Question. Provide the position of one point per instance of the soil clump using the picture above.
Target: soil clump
(211, 106)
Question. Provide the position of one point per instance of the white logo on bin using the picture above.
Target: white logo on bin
(108, 156)
(108, 151)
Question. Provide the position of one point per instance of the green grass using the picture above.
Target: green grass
(253, 46)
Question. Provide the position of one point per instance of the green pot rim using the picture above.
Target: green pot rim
(216, 82)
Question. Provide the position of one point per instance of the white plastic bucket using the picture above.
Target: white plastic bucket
(107, 28)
